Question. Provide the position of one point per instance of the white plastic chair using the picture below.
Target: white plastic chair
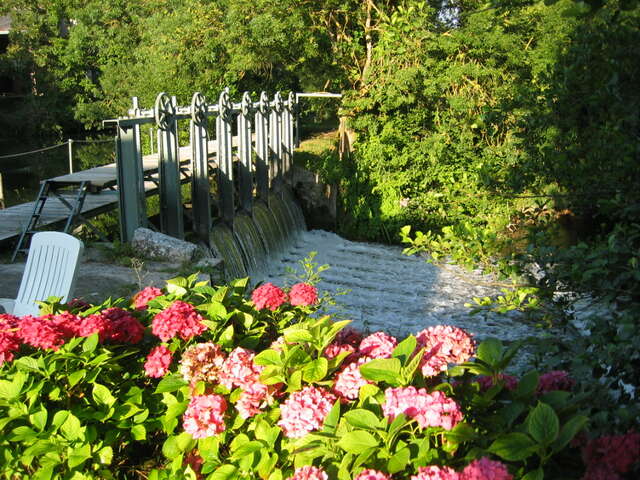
(51, 270)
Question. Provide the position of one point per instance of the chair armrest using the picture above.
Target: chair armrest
(7, 305)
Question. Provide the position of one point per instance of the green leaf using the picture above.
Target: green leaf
(315, 370)
(75, 377)
(71, 429)
(382, 370)
(267, 357)
(513, 447)
(298, 336)
(102, 395)
(90, 343)
(105, 455)
(139, 432)
(357, 441)
(217, 311)
(527, 384)
(462, 432)
(543, 424)
(23, 434)
(568, 431)
(39, 419)
(361, 418)
(226, 337)
(490, 351)
(398, 462)
(27, 364)
(79, 455)
(331, 420)
(10, 390)
(225, 472)
(537, 474)
(247, 449)
(171, 383)
(405, 349)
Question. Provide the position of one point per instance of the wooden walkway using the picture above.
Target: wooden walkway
(102, 198)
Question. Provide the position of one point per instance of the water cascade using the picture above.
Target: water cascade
(251, 243)
(226, 246)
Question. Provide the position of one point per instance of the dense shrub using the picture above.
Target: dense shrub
(202, 382)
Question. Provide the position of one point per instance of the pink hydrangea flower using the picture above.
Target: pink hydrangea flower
(180, 318)
(485, 469)
(144, 296)
(428, 409)
(9, 339)
(335, 349)
(444, 345)
(509, 381)
(616, 453)
(600, 472)
(239, 370)
(349, 380)
(377, 345)
(305, 411)
(158, 361)
(309, 472)
(268, 296)
(204, 416)
(40, 332)
(68, 323)
(96, 323)
(555, 380)
(255, 397)
(202, 362)
(433, 472)
(370, 474)
(303, 294)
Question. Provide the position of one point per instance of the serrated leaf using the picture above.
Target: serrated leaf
(105, 455)
(79, 455)
(361, 418)
(357, 442)
(75, 377)
(27, 364)
(398, 462)
(537, 474)
(405, 349)
(543, 424)
(102, 395)
(90, 343)
(267, 357)
(139, 432)
(382, 370)
(490, 351)
(226, 337)
(71, 429)
(568, 431)
(513, 447)
(298, 336)
(527, 384)
(39, 419)
(217, 311)
(315, 370)
(170, 383)
(225, 472)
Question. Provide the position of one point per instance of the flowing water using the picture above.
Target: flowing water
(375, 286)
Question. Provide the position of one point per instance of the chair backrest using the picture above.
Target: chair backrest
(51, 270)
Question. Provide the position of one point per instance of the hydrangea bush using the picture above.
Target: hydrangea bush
(200, 382)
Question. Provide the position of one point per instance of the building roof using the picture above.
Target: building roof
(5, 24)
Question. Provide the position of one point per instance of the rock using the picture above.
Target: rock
(158, 245)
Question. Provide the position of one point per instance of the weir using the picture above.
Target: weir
(242, 207)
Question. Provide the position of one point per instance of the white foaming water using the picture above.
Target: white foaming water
(389, 291)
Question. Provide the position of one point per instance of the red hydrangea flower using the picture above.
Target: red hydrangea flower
(377, 345)
(144, 296)
(202, 362)
(158, 361)
(370, 474)
(555, 380)
(204, 416)
(268, 296)
(127, 329)
(40, 332)
(308, 472)
(67, 322)
(96, 323)
(239, 370)
(509, 381)
(444, 344)
(303, 294)
(434, 472)
(305, 411)
(429, 409)
(10, 341)
(349, 380)
(615, 453)
(485, 469)
(180, 318)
